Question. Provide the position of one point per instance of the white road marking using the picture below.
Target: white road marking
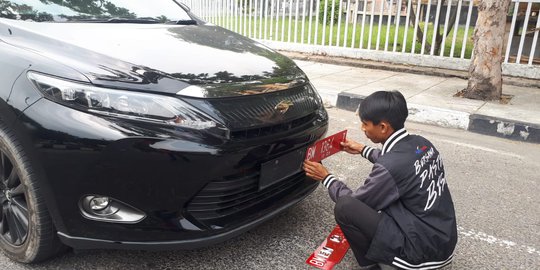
(483, 148)
(477, 235)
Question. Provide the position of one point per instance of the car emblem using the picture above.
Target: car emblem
(283, 106)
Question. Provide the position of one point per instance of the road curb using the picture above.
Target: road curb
(348, 101)
(504, 128)
(417, 113)
(477, 123)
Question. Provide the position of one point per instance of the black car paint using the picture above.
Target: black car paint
(154, 168)
(138, 168)
(195, 54)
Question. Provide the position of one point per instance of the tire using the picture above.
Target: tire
(27, 233)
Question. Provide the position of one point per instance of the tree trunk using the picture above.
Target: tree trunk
(439, 36)
(485, 71)
(438, 42)
(419, 32)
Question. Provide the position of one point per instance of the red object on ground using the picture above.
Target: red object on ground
(326, 147)
(331, 251)
(335, 246)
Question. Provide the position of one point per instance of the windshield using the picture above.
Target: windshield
(113, 11)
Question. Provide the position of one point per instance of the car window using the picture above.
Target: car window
(103, 11)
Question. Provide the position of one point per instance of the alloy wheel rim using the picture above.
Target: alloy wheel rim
(14, 215)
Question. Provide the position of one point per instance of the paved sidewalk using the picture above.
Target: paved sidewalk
(431, 99)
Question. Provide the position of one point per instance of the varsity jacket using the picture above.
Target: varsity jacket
(408, 186)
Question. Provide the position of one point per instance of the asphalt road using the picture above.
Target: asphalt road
(494, 182)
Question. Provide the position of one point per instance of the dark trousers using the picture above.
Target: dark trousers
(359, 223)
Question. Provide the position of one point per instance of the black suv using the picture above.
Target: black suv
(141, 126)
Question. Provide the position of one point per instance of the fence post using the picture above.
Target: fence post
(446, 22)
(436, 27)
(398, 17)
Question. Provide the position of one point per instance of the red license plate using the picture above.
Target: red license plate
(326, 147)
(331, 251)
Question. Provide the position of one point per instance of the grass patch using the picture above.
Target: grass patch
(346, 35)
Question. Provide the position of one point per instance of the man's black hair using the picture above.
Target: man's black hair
(384, 105)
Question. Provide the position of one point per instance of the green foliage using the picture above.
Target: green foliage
(86, 9)
(12, 10)
(348, 36)
(329, 13)
(95, 8)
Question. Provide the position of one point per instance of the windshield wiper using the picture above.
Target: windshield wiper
(186, 22)
(134, 20)
(119, 20)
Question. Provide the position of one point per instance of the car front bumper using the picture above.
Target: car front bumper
(161, 172)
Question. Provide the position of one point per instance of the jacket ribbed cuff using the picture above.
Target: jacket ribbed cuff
(328, 180)
(366, 152)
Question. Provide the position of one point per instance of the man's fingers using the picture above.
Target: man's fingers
(310, 164)
(347, 146)
(309, 168)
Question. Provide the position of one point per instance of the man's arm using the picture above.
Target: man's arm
(379, 189)
(370, 153)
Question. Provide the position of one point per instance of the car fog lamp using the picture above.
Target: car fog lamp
(99, 203)
(107, 209)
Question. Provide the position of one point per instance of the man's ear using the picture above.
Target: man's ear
(386, 128)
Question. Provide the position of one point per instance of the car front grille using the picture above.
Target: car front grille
(273, 129)
(225, 198)
(268, 114)
(249, 112)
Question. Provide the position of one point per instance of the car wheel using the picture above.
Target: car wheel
(27, 233)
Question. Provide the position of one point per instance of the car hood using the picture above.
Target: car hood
(192, 60)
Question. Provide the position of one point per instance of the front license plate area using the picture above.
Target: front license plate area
(276, 170)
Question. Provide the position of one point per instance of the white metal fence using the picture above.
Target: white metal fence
(435, 33)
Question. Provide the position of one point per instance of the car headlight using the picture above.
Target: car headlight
(323, 115)
(121, 103)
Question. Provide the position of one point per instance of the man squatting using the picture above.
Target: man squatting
(403, 215)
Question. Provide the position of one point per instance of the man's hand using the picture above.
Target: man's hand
(315, 170)
(352, 147)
